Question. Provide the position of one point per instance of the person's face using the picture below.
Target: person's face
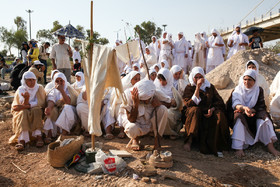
(154, 40)
(135, 79)
(30, 45)
(202, 35)
(214, 34)
(78, 78)
(237, 29)
(30, 82)
(252, 66)
(25, 46)
(164, 35)
(197, 77)
(76, 61)
(61, 39)
(153, 76)
(180, 36)
(162, 64)
(46, 46)
(163, 82)
(148, 51)
(248, 82)
(157, 69)
(255, 33)
(117, 44)
(17, 61)
(145, 101)
(177, 75)
(135, 68)
(59, 81)
(76, 48)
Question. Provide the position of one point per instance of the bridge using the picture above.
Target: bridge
(270, 24)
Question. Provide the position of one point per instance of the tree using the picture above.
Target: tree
(20, 36)
(147, 30)
(56, 26)
(3, 52)
(20, 23)
(45, 35)
(7, 36)
(96, 38)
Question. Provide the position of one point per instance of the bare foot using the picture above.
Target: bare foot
(239, 153)
(135, 145)
(272, 149)
(187, 147)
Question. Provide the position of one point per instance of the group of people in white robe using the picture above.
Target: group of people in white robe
(205, 52)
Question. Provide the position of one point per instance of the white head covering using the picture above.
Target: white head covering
(154, 37)
(255, 63)
(215, 31)
(146, 89)
(53, 72)
(136, 65)
(175, 69)
(126, 81)
(246, 96)
(82, 81)
(55, 94)
(181, 33)
(167, 89)
(62, 76)
(154, 66)
(152, 70)
(194, 72)
(24, 88)
(166, 65)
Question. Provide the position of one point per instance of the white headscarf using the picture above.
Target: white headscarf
(146, 89)
(198, 42)
(55, 94)
(204, 36)
(50, 85)
(166, 65)
(154, 66)
(255, 63)
(126, 81)
(24, 88)
(167, 89)
(80, 83)
(246, 96)
(194, 72)
(53, 72)
(136, 65)
(174, 70)
(152, 70)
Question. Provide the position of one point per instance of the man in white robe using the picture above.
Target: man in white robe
(181, 52)
(238, 41)
(155, 46)
(167, 45)
(215, 55)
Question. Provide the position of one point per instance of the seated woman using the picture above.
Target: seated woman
(164, 83)
(275, 102)
(156, 67)
(251, 121)
(153, 74)
(82, 109)
(138, 115)
(252, 64)
(51, 85)
(80, 81)
(60, 111)
(179, 81)
(27, 110)
(112, 102)
(204, 115)
(164, 64)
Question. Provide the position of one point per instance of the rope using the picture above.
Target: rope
(272, 8)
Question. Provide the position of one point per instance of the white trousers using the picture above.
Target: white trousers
(24, 135)
(241, 138)
(82, 111)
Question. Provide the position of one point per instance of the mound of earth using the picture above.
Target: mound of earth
(226, 76)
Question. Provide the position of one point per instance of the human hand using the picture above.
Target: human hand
(249, 112)
(210, 112)
(26, 96)
(200, 82)
(48, 111)
(43, 68)
(18, 107)
(135, 97)
(173, 103)
(59, 87)
(155, 102)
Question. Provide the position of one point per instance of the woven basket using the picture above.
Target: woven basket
(58, 156)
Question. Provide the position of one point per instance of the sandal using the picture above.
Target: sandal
(19, 147)
(47, 140)
(121, 135)
(109, 136)
(39, 143)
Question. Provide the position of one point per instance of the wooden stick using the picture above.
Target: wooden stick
(144, 56)
(20, 168)
(90, 58)
(127, 48)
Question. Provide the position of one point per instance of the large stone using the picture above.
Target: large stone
(221, 82)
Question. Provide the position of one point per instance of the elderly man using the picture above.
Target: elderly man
(215, 57)
(181, 52)
(139, 114)
(38, 69)
(238, 41)
(155, 46)
(60, 54)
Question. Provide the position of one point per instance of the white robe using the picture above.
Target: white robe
(82, 111)
(215, 54)
(155, 48)
(181, 48)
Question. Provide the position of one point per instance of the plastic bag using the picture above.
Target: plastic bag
(110, 164)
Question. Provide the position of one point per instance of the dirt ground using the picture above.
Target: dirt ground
(257, 168)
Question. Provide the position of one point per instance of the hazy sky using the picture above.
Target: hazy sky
(189, 16)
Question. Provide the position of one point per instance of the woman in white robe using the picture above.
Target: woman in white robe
(80, 81)
(27, 107)
(179, 79)
(164, 64)
(251, 121)
(51, 85)
(138, 115)
(199, 53)
(61, 109)
(164, 83)
(112, 102)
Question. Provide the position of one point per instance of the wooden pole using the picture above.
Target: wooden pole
(128, 48)
(90, 58)
(157, 141)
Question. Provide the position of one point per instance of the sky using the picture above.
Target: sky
(188, 16)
